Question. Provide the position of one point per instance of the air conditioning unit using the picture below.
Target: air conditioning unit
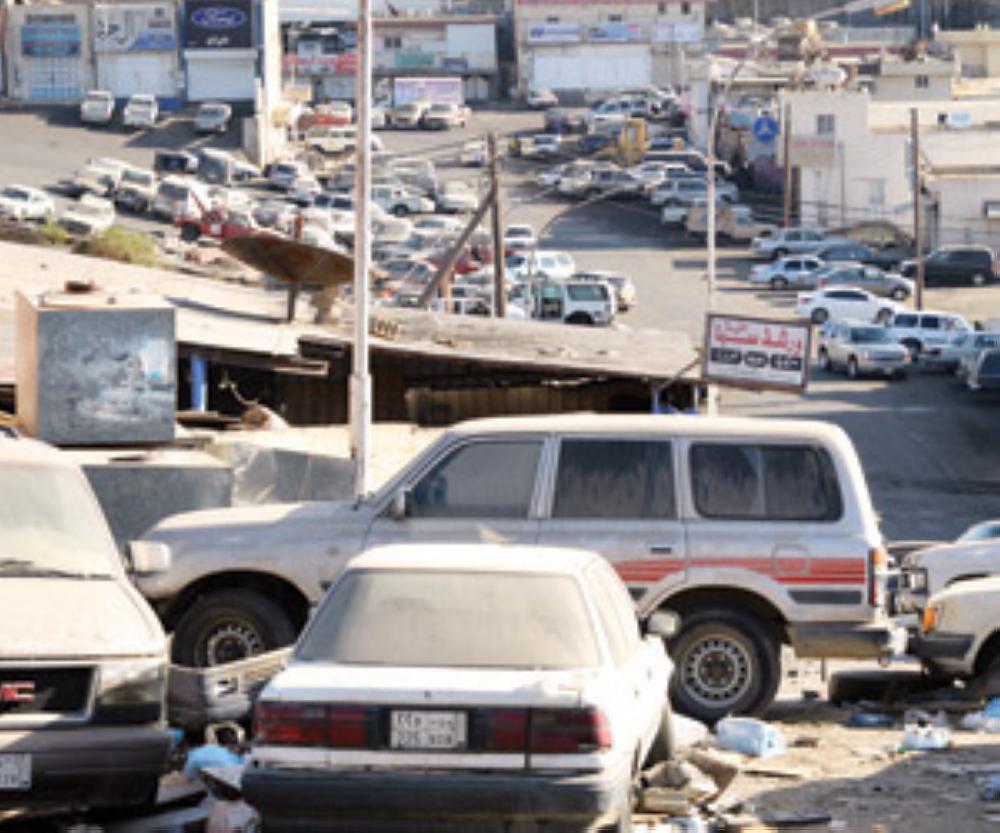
(961, 120)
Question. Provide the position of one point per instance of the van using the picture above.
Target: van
(758, 532)
(83, 662)
(180, 197)
(331, 140)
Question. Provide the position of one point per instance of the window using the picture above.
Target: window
(392, 42)
(614, 18)
(479, 480)
(876, 194)
(586, 292)
(614, 479)
(921, 82)
(930, 322)
(905, 320)
(552, 20)
(685, 7)
(826, 124)
(777, 483)
(661, 8)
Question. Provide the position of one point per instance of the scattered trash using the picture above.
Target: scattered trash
(921, 732)
(720, 768)
(806, 742)
(987, 720)
(991, 789)
(213, 753)
(664, 800)
(749, 736)
(869, 720)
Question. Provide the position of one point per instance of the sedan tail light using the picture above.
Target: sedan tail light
(569, 731)
(506, 730)
(878, 564)
(312, 724)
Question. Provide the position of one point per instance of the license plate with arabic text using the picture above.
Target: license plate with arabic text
(15, 772)
(428, 730)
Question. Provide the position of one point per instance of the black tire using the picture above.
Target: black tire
(899, 294)
(190, 232)
(228, 625)
(819, 316)
(979, 279)
(779, 283)
(400, 210)
(665, 743)
(824, 360)
(580, 318)
(913, 346)
(712, 643)
(852, 368)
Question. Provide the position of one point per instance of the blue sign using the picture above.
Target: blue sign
(765, 129)
(218, 24)
(50, 40)
(218, 17)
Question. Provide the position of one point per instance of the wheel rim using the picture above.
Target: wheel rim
(978, 280)
(899, 294)
(852, 368)
(824, 359)
(232, 641)
(717, 670)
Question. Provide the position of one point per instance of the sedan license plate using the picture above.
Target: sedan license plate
(428, 730)
(15, 772)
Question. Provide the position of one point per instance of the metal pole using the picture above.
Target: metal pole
(786, 143)
(361, 386)
(499, 272)
(712, 393)
(918, 242)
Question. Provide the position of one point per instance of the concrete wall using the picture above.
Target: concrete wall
(979, 50)
(959, 214)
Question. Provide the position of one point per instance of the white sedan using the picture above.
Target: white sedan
(519, 236)
(457, 197)
(856, 304)
(464, 684)
(88, 216)
(20, 202)
(141, 111)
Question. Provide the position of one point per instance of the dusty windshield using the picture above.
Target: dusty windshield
(50, 523)
(454, 620)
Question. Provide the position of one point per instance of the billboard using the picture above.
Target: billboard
(138, 28)
(218, 24)
(554, 33)
(679, 31)
(756, 352)
(616, 32)
(50, 36)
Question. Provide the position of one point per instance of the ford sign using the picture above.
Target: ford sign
(218, 17)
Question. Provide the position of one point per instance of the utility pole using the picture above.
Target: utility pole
(786, 143)
(361, 384)
(499, 271)
(918, 242)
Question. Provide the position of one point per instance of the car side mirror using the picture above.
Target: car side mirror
(147, 557)
(400, 507)
(664, 623)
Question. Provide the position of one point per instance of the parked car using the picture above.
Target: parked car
(21, 202)
(141, 111)
(958, 631)
(174, 162)
(456, 197)
(84, 660)
(542, 263)
(850, 251)
(470, 719)
(519, 236)
(439, 226)
(733, 222)
(137, 190)
(410, 114)
(473, 153)
(926, 334)
(798, 271)
(609, 113)
(304, 190)
(623, 286)
(401, 201)
(539, 146)
(283, 174)
(212, 117)
(837, 303)
(928, 570)
(88, 216)
(860, 348)
(584, 302)
(553, 176)
(445, 115)
(962, 350)
(883, 284)
(785, 241)
(179, 196)
(97, 107)
(611, 181)
(93, 178)
(541, 99)
(957, 266)
(562, 120)
(776, 501)
(984, 372)
(686, 190)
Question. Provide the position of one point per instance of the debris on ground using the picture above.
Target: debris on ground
(922, 732)
(749, 736)
(987, 720)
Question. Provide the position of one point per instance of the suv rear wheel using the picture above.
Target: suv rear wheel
(978, 279)
(779, 283)
(819, 316)
(726, 663)
(852, 367)
(824, 359)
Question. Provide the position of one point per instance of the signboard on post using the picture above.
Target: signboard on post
(756, 352)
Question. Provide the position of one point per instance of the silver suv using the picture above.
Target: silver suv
(786, 241)
(859, 347)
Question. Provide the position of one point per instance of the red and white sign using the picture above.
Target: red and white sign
(345, 63)
(756, 352)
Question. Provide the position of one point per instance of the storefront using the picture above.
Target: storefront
(136, 51)
(220, 51)
(49, 55)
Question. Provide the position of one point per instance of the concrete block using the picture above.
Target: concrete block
(136, 490)
(96, 368)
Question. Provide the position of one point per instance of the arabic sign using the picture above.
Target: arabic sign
(50, 36)
(812, 151)
(680, 31)
(218, 24)
(756, 352)
(343, 63)
(413, 59)
(616, 32)
(128, 28)
(554, 33)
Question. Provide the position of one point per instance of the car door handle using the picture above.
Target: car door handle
(661, 549)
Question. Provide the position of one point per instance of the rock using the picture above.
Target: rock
(721, 768)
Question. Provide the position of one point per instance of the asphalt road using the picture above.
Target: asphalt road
(926, 443)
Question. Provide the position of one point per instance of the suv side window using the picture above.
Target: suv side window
(930, 322)
(905, 320)
(775, 483)
(614, 479)
(489, 479)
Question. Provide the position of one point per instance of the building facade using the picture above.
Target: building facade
(49, 53)
(585, 49)
(136, 51)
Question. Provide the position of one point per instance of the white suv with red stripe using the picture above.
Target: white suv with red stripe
(758, 532)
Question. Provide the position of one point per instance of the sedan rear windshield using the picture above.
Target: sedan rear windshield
(453, 620)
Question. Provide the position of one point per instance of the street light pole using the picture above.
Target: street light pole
(361, 385)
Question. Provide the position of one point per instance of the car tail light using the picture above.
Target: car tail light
(506, 730)
(312, 724)
(568, 731)
(878, 563)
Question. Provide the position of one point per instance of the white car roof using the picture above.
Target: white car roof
(503, 558)
(23, 450)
